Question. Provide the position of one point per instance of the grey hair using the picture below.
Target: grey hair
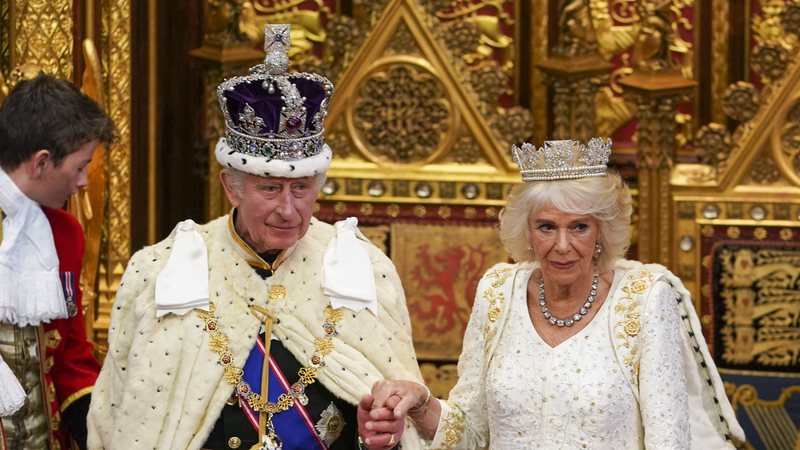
(236, 179)
(606, 199)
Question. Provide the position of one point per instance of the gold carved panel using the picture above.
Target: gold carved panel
(440, 266)
(401, 113)
(42, 35)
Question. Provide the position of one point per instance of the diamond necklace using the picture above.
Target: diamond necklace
(575, 317)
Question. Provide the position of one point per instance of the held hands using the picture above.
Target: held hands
(381, 415)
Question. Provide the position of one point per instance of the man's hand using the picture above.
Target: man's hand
(378, 426)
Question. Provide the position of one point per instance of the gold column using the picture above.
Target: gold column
(116, 53)
(539, 47)
(657, 96)
(575, 81)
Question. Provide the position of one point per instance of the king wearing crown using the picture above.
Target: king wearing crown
(263, 328)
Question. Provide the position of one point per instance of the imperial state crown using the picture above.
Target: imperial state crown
(274, 118)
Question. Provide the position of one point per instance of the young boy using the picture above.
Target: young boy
(48, 133)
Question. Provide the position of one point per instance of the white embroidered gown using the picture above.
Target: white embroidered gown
(574, 395)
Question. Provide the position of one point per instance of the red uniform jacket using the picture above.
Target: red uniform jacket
(69, 366)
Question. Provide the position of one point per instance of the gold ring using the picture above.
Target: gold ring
(391, 440)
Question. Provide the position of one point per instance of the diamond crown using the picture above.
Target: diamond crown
(562, 160)
(271, 113)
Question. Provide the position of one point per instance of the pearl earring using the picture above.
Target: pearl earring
(598, 249)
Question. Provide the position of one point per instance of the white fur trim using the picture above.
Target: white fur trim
(263, 167)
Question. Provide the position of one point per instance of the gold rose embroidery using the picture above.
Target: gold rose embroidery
(632, 327)
(629, 324)
(453, 428)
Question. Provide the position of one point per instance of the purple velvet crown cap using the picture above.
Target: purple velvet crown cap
(268, 106)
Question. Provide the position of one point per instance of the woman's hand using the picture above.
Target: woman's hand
(400, 396)
(381, 415)
(378, 428)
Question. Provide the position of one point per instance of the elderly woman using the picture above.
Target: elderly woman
(571, 346)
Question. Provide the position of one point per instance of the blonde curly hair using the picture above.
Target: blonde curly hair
(606, 199)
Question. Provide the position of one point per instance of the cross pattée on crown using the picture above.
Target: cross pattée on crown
(277, 35)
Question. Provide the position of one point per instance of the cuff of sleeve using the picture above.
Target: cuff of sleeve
(75, 396)
(450, 428)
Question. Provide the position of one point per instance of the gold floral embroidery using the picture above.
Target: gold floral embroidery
(632, 327)
(629, 325)
(453, 428)
(493, 295)
(638, 286)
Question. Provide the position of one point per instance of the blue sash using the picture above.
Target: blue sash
(294, 426)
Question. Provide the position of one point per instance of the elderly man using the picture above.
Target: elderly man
(263, 328)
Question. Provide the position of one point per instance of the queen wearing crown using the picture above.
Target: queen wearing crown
(571, 346)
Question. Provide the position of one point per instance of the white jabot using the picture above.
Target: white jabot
(30, 287)
(347, 275)
(182, 284)
(12, 396)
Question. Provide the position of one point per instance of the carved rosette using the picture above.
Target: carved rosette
(461, 37)
(338, 142)
(764, 171)
(490, 82)
(401, 114)
(713, 144)
(345, 35)
(513, 125)
(740, 102)
(790, 18)
(466, 150)
(770, 61)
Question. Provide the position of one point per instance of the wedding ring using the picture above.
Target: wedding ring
(391, 440)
